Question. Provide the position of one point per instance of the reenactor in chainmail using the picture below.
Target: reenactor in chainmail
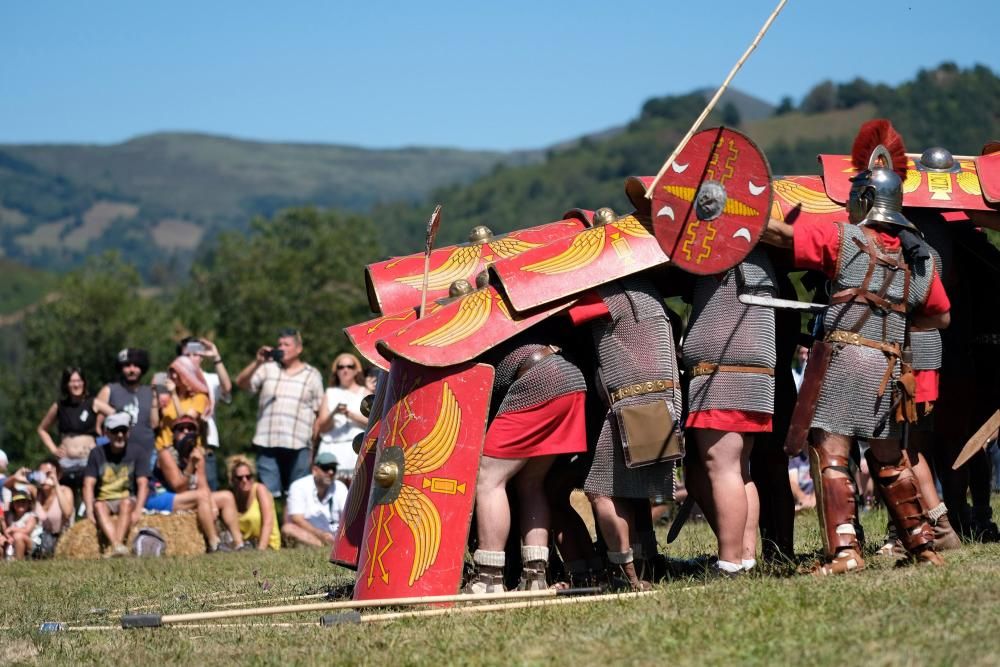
(637, 368)
(537, 414)
(858, 385)
(729, 358)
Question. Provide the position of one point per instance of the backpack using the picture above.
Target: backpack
(149, 542)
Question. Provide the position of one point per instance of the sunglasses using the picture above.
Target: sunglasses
(328, 468)
(119, 431)
(242, 478)
(343, 366)
(186, 428)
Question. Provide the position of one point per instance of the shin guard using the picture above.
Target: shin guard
(900, 491)
(835, 500)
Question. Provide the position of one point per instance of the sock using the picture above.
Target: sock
(936, 513)
(620, 557)
(530, 553)
(726, 566)
(489, 558)
(749, 563)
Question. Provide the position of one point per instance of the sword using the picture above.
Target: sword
(683, 514)
(979, 440)
(432, 229)
(788, 304)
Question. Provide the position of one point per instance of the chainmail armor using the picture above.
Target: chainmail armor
(724, 331)
(550, 378)
(849, 403)
(635, 345)
(926, 345)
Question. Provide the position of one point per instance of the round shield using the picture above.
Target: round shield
(712, 204)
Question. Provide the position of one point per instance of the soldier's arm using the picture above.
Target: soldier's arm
(778, 233)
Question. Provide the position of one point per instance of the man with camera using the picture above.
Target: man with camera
(290, 393)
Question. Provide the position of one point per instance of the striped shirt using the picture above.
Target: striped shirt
(287, 407)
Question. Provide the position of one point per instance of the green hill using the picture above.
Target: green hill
(165, 193)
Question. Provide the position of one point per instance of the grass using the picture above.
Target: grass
(883, 616)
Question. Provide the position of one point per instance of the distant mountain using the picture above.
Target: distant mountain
(162, 194)
(749, 107)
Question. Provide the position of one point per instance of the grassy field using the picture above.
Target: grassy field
(928, 616)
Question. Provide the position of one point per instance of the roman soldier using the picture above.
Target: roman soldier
(729, 357)
(858, 385)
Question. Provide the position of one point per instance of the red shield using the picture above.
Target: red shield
(425, 481)
(463, 329)
(352, 526)
(394, 285)
(711, 206)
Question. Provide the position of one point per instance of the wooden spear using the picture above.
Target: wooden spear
(715, 98)
(157, 620)
(432, 229)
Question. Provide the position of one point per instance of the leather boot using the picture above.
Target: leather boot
(945, 536)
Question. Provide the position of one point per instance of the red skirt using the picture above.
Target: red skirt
(733, 421)
(553, 427)
(927, 385)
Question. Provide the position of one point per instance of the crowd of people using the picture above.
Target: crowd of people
(147, 445)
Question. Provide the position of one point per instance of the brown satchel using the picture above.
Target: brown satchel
(805, 405)
(906, 404)
(650, 433)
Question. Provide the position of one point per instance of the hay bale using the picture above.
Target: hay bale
(180, 530)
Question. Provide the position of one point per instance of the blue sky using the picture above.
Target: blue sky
(465, 74)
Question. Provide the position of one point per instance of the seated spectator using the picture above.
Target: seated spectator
(189, 397)
(179, 483)
(258, 523)
(340, 417)
(115, 485)
(315, 504)
(53, 507)
(801, 482)
(75, 417)
(21, 524)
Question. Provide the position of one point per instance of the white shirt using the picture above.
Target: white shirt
(323, 513)
(339, 440)
(215, 389)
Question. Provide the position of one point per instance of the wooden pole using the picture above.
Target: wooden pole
(715, 98)
(156, 620)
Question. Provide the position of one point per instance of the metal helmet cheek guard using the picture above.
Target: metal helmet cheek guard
(877, 194)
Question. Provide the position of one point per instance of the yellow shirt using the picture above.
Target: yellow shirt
(251, 523)
(168, 415)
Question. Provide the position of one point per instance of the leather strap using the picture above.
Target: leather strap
(639, 389)
(708, 368)
(890, 350)
(534, 358)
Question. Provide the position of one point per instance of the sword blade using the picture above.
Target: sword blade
(683, 513)
(787, 304)
(979, 440)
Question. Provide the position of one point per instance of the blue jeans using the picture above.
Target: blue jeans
(211, 468)
(278, 467)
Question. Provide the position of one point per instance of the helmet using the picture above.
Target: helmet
(877, 194)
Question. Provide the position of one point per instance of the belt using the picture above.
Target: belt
(708, 368)
(890, 350)
(534, 358)
(639, 389)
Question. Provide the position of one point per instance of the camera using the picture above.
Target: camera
(276, 354)
(194, 347)
(36, 477)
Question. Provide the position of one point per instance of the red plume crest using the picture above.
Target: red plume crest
(873, 133)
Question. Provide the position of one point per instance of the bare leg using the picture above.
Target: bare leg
(22, 544)
(696, 480)
(534, 506)
(200, 500)
(124, 519)
(492, 506)
(614, 518)
(226, 504)
(721, 452)
(300, 534)
(106, 522)
(753, 502)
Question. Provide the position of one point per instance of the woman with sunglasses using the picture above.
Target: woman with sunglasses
(340, 417)
(255, 504)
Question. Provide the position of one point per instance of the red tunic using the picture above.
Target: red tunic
(733, 421)
(927, 385)
(553, 427)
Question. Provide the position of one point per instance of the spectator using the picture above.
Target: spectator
(258, 523)
(21, 524)
(220, 388)
(179, 483)
(115, 485)
(53, 507)
(75, 416)
(801, 482)
(799, 365)
(4, 491)
(137, 400)
(315, 504)
(340, 417)
(189, 397)
(290, 393)
(371, 378)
